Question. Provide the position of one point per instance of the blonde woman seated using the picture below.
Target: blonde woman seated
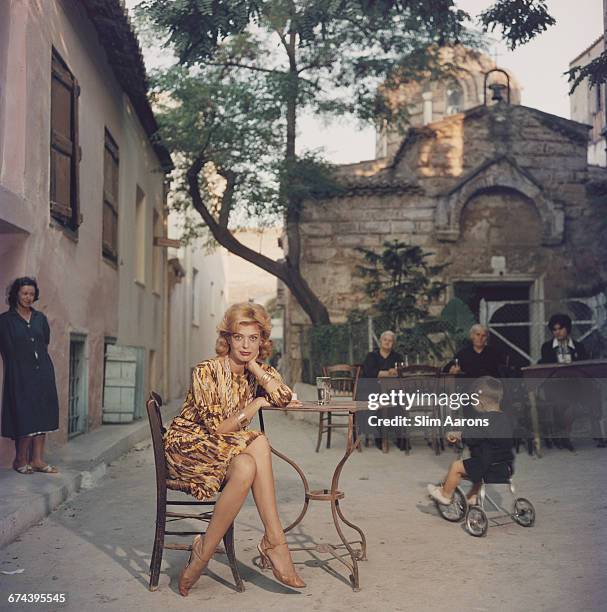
(209, 444)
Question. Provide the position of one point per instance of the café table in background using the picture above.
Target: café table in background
(536, 376)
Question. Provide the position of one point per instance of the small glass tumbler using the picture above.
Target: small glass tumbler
(323, 389)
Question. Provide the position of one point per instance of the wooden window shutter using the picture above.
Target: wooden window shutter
(65, 152)
(111, 165)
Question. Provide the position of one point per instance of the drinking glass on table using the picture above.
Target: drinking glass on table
(323, 389)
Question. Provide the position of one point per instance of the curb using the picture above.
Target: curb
(26, 500)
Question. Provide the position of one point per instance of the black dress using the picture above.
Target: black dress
(369, 383)
(29, 402)
(474, 365)
(375, 361)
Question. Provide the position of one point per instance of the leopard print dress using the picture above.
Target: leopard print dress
(194, 451)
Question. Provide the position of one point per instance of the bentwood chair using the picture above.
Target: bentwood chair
(163, 484)
(425, 379)
(344, 379)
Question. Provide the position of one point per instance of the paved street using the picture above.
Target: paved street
(96, 548)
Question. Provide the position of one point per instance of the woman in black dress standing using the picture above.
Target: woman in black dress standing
(30, 408)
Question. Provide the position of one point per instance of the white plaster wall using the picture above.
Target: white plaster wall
(190, 343)
(140, 308)
(582, 107)
(247, 281)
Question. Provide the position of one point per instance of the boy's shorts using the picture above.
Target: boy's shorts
(497, 473)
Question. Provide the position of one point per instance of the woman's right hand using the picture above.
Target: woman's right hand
(260, 402)
(455, 370)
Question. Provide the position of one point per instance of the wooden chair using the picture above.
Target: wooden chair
(344, 379)
(424, 378)
(163, 483)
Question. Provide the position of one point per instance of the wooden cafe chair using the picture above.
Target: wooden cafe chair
(163, 515)
(344, 379)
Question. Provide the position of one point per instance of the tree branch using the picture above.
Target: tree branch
(222, 234)
(246, 66)
(227, 197)
(288, 273)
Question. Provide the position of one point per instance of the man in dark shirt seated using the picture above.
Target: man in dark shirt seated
(478, 358)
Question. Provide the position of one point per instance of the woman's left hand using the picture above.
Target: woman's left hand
(253, 365)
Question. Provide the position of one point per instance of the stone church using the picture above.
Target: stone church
(500, 192)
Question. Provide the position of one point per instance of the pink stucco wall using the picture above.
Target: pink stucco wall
(79, 289)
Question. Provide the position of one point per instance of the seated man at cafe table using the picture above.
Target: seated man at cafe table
(382, 361)
(478, 358)
(572, 397)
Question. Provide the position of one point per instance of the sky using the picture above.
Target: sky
(538, 66)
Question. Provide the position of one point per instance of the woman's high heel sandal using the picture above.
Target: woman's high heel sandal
(194, 568)
(266, 563)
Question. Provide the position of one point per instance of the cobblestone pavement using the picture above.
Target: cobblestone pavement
(96, 548)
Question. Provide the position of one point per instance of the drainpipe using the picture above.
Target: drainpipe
(165, 296)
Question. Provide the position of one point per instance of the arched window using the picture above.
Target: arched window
(454, 102)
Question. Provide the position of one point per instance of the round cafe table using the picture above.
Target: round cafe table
(348, 552)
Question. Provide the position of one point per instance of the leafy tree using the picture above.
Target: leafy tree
(457, 319)
(246, 71)
(399, 282)
(596, 70)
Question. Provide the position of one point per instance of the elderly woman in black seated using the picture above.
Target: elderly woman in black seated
(209, 445)
(479, 358)
(382, 361)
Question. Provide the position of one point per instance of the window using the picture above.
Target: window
(157, 254)
(65, 152)
(110, 199)
(140, 236)
(596, 91)
(195, 297)
(455, 98)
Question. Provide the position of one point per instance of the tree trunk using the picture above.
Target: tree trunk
(289, 275)
(302, 292)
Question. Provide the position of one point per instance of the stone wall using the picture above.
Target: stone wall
(505, 181)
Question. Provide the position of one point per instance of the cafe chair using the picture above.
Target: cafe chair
(344, 379)
(163, 484)
(426, 379)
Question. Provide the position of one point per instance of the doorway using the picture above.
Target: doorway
(505, 309)
(77, 399)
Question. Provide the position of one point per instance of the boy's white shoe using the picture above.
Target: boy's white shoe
(436, 493)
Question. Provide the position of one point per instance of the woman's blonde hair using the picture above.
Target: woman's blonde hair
(244, 312)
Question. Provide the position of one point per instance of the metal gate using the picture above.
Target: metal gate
(507, 319)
